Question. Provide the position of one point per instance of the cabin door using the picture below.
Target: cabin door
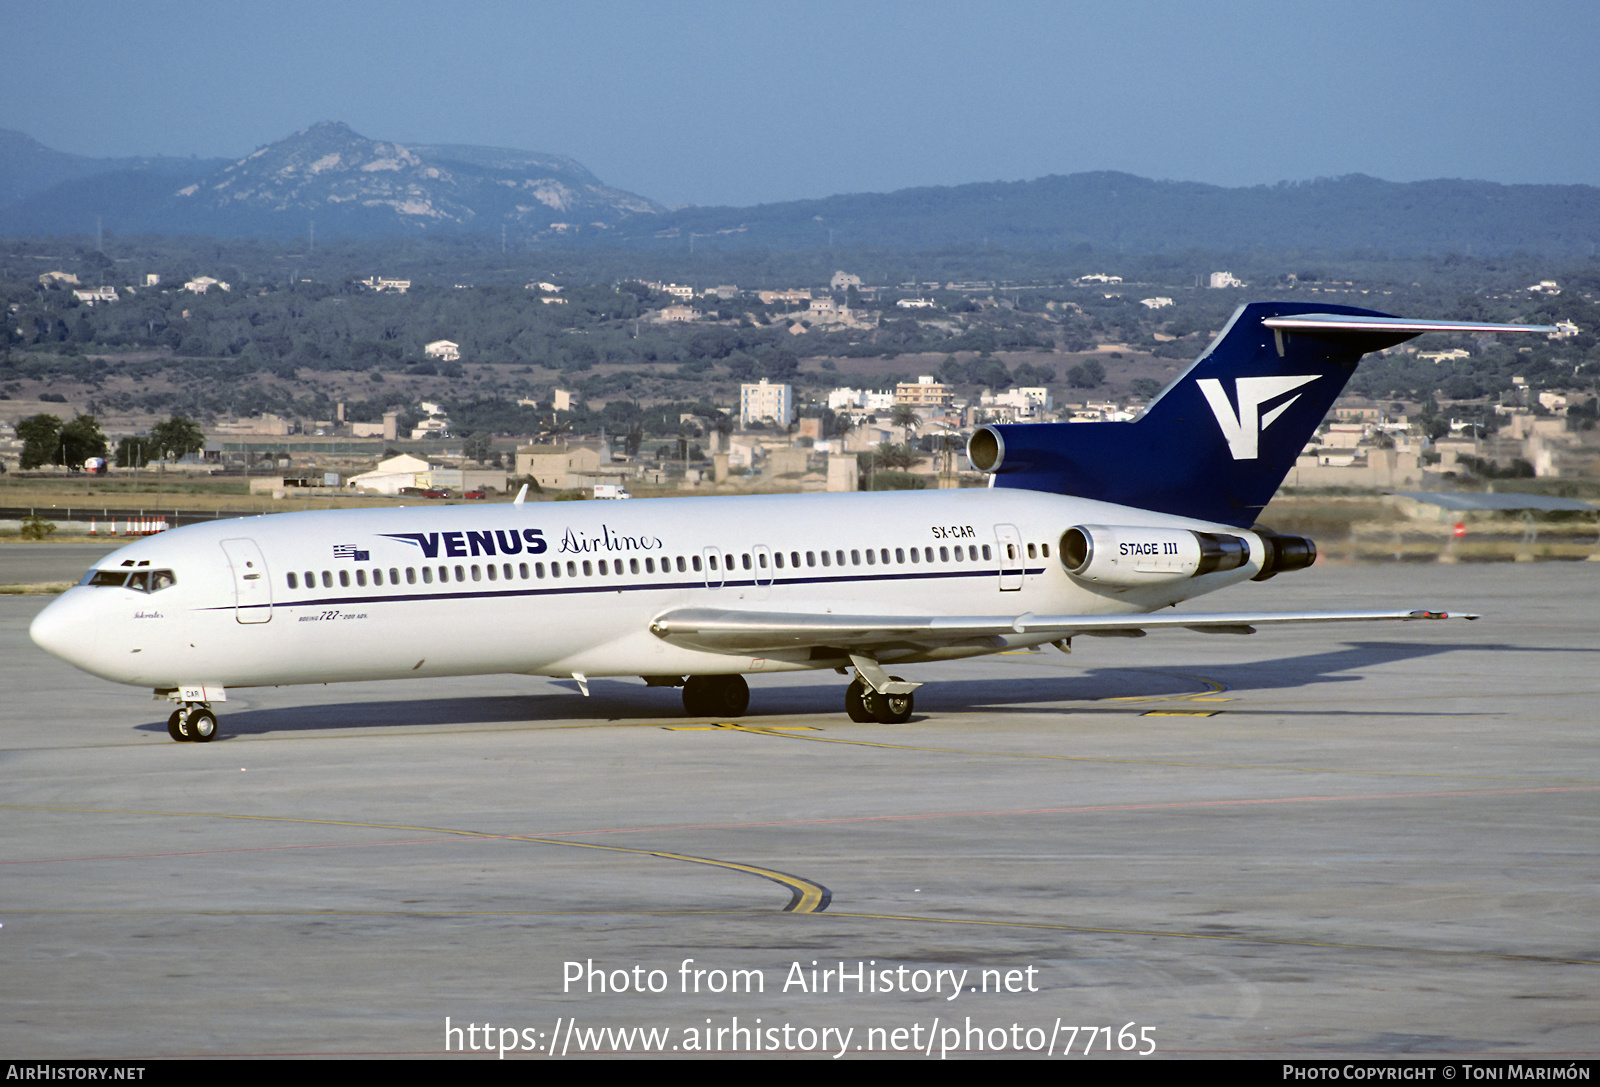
(1008, 548)
(762, 555)
(252, 588)
(711, 560)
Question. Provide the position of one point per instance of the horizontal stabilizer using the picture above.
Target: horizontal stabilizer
(1411, 326)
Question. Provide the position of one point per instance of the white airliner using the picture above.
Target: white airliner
(1086, 529)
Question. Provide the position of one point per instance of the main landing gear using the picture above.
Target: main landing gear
(193, 721)
(716, 696)
(874, 695)
(863, 704)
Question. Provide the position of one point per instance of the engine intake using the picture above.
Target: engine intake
(1125, 555)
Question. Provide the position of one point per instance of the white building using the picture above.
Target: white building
(915, 303)
(1026, 402)
(390, 475)
(1155, 303)
(868, 400)
(843, 281)
(378, 283)
(444, 350)
(766, 401)
(1220, 280)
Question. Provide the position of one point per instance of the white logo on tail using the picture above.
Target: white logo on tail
(1243, 431)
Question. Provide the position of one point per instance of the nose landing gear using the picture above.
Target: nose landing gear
(193, 721)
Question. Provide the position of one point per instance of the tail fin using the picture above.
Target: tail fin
(1217, 442)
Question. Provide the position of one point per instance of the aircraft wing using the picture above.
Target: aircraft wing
(747, 632)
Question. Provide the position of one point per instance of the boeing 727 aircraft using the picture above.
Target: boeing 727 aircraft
(1085, 529)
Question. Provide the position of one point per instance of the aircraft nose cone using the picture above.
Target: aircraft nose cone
(65, 630)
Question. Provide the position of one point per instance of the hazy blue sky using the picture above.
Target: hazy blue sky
(741, 103)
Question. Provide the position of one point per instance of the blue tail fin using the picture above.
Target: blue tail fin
(1217, 442)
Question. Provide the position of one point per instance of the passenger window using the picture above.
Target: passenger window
(959, 556)
(411, 575)
(602, 568)
(927, 553)
(377, 576)
(294, 582)
(899, 555)
(869, 556)
(746, 561)
(493, 573)
(916, 556)
(944, 554)
(838, 557)
(633, 566)
(361, 578)
(987, 554)
(327, 580)
(572, 569)
(522, 570)
(555, 569)
(1033, 552)
(811, 558)
(826, 559)
(777, 559)
(794, 559)
(883, 554)
(477, 572)
(538, 570)
(444, 574)
(695, 562)
(588, 568)
(344, 579)
(427, 575)
(972, 552)
(461, 575)
(1044, 549)
(394, 576)
(649, 565)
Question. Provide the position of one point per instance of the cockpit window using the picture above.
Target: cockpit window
(144, 581)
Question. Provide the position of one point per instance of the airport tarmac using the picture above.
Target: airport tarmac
(33, 563)
(1370, 840)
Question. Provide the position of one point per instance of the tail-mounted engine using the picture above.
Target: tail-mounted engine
(1124, 556)
(1284, 553)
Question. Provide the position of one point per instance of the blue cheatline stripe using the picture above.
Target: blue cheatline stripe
(634, 586)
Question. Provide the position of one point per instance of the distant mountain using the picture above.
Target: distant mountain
(1122, 213)
(29, 168)
(346, 184)
(349, 185)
